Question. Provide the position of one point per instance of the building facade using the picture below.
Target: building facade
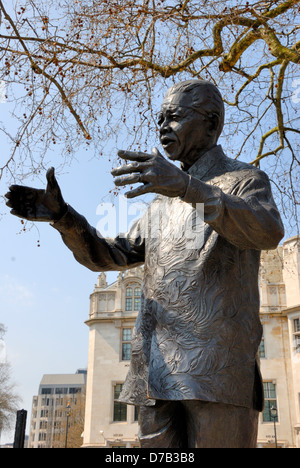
(60, 400)
(113, 310)
(280, 346)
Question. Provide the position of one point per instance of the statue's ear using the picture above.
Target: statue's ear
(213, 124)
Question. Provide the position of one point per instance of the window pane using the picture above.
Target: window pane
(126, 351)
(137, 292)
(297, 325)
(266, 413)
(129, 292)
(297, 343)
(137, 304)
(61, 391)
(74, 390)
(262, 351)
(128, 305)
(126, 334)
(117, 391)
(120, 411)
(270, 390)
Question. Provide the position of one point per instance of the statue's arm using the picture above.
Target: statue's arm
(95, 252)
(89, 248)
(248, 218)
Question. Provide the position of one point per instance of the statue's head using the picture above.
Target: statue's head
(191, 120)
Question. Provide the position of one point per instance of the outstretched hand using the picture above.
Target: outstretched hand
(155, 172)
(36, 204)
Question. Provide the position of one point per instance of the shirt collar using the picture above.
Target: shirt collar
(209, 164)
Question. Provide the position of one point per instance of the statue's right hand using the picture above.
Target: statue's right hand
(35, 204)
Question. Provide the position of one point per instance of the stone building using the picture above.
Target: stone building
(280, 346)
(113, 310)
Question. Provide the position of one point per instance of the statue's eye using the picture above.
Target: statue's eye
(160, 120)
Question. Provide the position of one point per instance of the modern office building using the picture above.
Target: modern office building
(59, 403)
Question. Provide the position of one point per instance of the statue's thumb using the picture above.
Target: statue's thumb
(155, 152)
(51, 179)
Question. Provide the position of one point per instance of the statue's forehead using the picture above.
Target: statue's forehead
(178, 100)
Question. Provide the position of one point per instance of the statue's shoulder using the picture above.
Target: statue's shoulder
(234, 172)
(235, 165)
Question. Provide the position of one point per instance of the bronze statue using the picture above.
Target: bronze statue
(194, 372)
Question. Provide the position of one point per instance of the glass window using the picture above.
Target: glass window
(262, 349)
(133, 298)
(120, 409)
(126, 351)
(126, 344)
(46, 391)
(297, 335)
(137, 304)
(61, 391)
(270, 401)
(126, 334)
(74, 390)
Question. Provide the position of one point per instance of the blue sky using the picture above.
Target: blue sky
(44, 292)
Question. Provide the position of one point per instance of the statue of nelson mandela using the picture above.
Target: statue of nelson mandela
(194, 372)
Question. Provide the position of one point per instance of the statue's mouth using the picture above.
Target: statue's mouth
(167, 142)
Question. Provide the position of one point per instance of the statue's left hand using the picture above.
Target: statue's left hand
(37, 204)
(155, 173)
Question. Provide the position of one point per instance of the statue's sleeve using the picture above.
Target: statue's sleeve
(247, 217)
(96, 252)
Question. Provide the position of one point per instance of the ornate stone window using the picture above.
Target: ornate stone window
(133, 298)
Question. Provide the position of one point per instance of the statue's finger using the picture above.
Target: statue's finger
(156, 152)
(141, 190)
(131, 179)
(51, 179)
(9, 204)
(129, 168)
(134, 155)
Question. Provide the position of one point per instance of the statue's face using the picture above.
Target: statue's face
(184, 132)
